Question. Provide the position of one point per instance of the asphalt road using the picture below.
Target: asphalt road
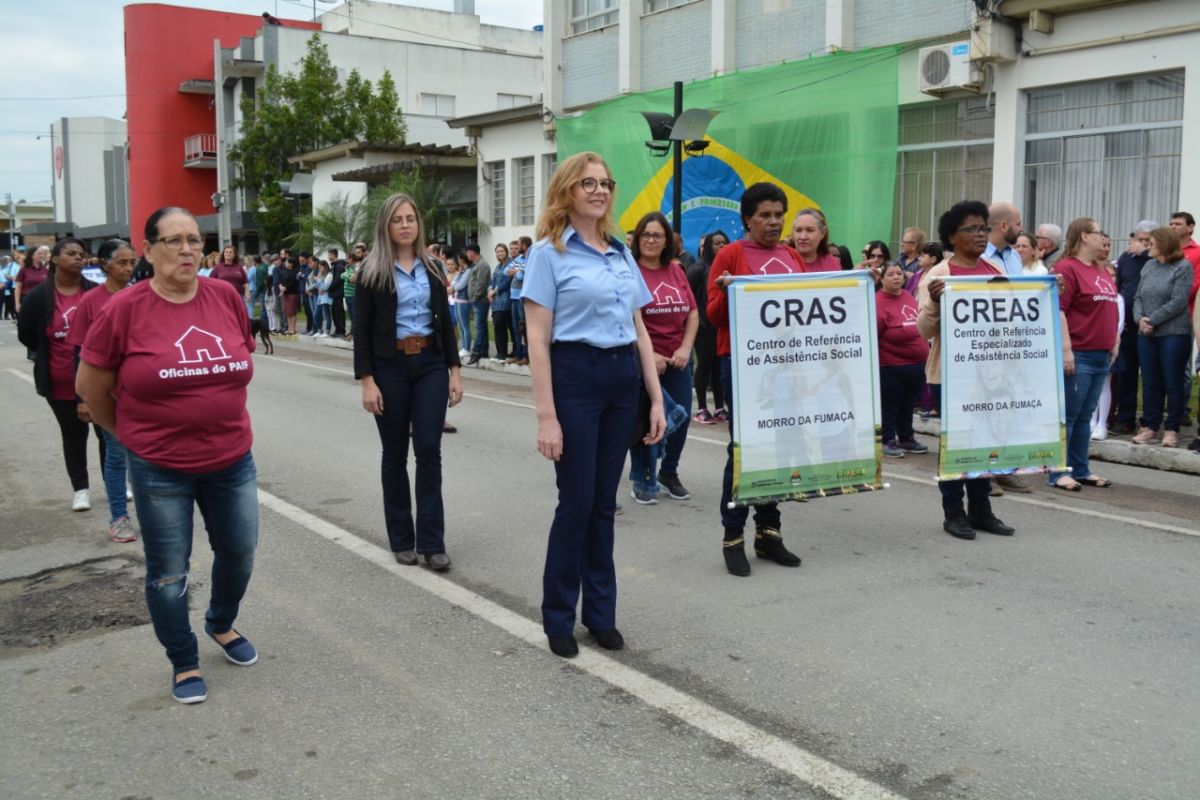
(1061, 663)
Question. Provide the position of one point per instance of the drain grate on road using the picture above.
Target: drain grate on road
(56, 606)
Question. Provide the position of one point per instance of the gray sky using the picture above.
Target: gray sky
(66, 59)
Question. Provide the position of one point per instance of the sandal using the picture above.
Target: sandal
(1096, 481)
(1067, 484)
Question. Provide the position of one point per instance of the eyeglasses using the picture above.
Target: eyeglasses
(653, 237)
(590, 185)
(176, 242)
(876, 255)
(975, 229)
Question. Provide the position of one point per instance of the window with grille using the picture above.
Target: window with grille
(526, 190)
(495, 172)
(588, 15)
(1109, 150)
(945, 155)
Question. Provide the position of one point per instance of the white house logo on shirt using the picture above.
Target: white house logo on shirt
(1105, 291)
(910, 315)
(66, 323)
(667, 295)
(197, 345)
(766, 269)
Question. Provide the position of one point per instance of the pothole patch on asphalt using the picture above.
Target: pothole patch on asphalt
(56, 606)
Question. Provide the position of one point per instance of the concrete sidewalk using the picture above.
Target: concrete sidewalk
(1116, 449)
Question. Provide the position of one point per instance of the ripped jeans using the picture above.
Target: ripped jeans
(228, 502)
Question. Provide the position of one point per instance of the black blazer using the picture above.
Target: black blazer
(36, 309)
(374, 324)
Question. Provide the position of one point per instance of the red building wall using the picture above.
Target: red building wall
(164, 46)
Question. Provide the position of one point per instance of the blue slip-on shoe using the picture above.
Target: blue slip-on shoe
(239, 651)
(189, 690)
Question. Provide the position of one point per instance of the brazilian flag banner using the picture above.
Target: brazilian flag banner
(805, 358)
(1003, 406)
(824, 130)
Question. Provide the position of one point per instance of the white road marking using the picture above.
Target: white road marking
(27, 378)
(755, 742)
(1158, 526)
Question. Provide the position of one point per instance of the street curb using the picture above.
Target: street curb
(1116, 451)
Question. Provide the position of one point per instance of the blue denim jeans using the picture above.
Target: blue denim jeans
(462, 315)
(114, 468)
(415, 389)
(643, 467)
(766, 515)
(318, 317)
(596, 398)
(480, 342)
(517, 320)
(1082, 394)
(228, 502)
(1164, 360)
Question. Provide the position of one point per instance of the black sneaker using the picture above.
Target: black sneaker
(990, 523)
(958, 527)
(670, 482)
(1195, 445)
(643, 497)
(913, 446)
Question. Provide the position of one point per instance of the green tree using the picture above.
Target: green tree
(300, 112)
(339, 222)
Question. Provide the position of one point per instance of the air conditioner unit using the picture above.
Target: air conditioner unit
(947, 68)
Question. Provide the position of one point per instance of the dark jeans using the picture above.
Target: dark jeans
(1082, 393)
(1164, 358)
(339, 316)
(462, 315)
(415, 389)
(976, 490)
(596, 398)
(480, 341)
(707, 371)
(74, 441)
(766, 515)
(309, 303)
(517, 317)
(1127, 381)
(676, 385)
(503, 323)
(935, 396)
(899, 388)
(165, 499)
(350, 310)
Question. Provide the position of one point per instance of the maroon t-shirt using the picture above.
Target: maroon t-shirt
(89, 309)
(30, 278)
(182, 371)
(1088, 296)
(900, 343)
(666, 315)
(232, 274)
(62, 354)
(826, 263)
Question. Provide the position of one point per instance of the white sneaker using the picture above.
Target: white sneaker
(82, 501)
(128, 491)
(1100, 434)
(320, 336)
(464, 353)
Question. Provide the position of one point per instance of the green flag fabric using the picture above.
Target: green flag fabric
(824, 129)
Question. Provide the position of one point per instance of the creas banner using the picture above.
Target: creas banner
(1003, 410)
(805, 386)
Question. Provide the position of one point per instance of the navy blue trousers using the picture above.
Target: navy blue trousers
(596, 399)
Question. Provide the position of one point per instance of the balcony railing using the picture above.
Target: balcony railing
(200, 151)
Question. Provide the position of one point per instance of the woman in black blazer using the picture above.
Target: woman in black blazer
(406, 356)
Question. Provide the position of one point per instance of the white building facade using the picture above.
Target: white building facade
(90, 181)
(1078, 108)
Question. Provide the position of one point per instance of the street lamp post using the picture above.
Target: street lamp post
(685, 130)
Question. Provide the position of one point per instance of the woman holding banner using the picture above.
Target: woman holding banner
(1088, 297)
(587, 346)
(964, 232)
(760, 253)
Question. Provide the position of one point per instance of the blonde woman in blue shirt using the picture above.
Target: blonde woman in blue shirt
(587, 348)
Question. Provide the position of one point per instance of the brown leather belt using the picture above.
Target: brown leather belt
(412, 345)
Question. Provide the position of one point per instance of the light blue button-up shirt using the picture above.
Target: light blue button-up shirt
(413, 314)
(1007, 259)
(593, 294)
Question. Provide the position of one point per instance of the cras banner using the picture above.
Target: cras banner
(805, 361)
(824, 129)
(1003, 408)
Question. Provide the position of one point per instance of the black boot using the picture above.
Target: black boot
(983, 519)
(734, 548)
(957, 526)
(768, 544)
